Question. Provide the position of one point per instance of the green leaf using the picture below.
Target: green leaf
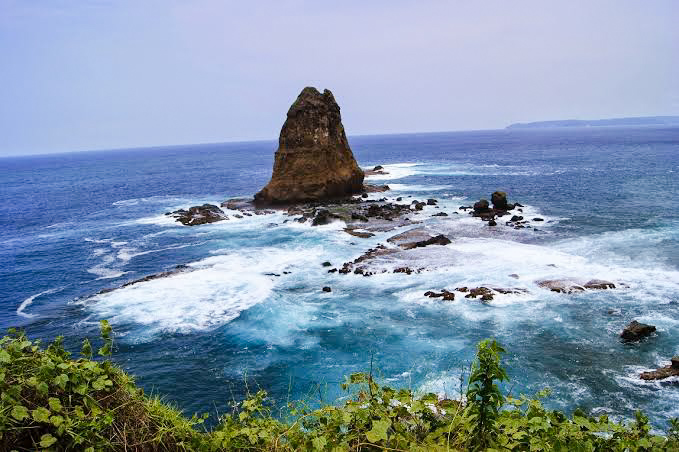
(54, 403)
(19, 412)
(4, 356)
(47, 440)
(319, 442)
(41, 414)
(61, 380)
(379, 430)
(56, 420)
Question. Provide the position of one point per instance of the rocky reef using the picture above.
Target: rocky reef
(314, 161)
(207, 213)
(664, 372)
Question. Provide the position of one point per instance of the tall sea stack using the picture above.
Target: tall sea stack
(313, 161)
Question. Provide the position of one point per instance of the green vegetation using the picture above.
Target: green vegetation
(51, 401)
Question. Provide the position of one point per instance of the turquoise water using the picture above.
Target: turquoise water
(74, 224)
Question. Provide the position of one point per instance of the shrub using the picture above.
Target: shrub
(51, 401)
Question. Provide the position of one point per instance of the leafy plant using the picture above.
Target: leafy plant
(484, 397)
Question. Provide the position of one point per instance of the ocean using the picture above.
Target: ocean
(74, 224)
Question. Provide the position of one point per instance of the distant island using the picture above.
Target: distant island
(638, 121)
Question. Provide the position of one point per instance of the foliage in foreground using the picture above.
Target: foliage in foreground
(53, 402)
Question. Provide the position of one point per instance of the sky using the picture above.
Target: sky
(81, 75)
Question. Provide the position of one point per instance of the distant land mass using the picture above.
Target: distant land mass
(638, 121)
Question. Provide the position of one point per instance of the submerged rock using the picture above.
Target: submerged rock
(313, 160)
(207, 213)
(664, 372)
(636, 331)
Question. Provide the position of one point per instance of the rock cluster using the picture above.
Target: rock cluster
(664, 372)
(207, 213)
(313, 160)
(568, 286)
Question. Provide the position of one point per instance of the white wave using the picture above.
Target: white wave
(394, 171)
(29, 301)
(150, 199)
(402, 170)
(214, 293)
(408, 188)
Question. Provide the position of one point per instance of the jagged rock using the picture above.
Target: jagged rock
(431, 202)
(322, 217)
(327, 289)
(560, 285)
(367, 188)
(492, 222)
(207, 213)
(437, 240)
(326, 264)
(516, 218)
(378, 168)
(178, 269)
(360, 234)
(313, 160)
(440, 214)
(664, 372)
(446, 295)
(599, 284)
(636, 331)
(481, 206)
(499, 200)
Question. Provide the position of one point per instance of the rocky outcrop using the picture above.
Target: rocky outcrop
(444, 294)
(207, 213)
(560, 285)
(499, 200)
(313, 160)
(178, 269)
(636, 331)
(664, 372)
(570, 286)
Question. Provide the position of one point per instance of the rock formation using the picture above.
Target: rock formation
(207, 213)
(664, 372)
(313, 161)
(636, 331)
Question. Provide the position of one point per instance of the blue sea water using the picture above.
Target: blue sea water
(73, 224)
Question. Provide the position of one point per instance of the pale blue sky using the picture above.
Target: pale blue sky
(77, 75)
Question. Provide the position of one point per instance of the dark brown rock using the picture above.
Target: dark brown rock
(560, 285)
(446, 295)
(437, 240)
(664, 372)
(207, 213)
(499, 200)
(482, 206)
(313, 160)
(636, 331)
(599, 284)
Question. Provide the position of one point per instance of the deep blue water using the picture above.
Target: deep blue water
(73, 224)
